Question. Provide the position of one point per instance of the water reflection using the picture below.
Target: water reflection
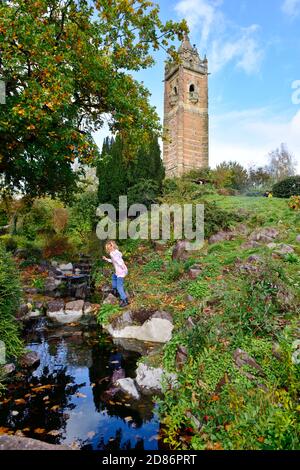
(71, 398)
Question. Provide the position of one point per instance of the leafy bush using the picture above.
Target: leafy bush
(199, 289)
(106, 313)
(57, 246)
(217, 219)
(174, 271)
(39, 218)
(82, 218)
(294, 203)
(10, 296)
(155, 265)
(10, 243)
(144, 192)
(287, 188)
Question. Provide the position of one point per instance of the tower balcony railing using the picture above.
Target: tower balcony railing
(194, 96)
(173, 100)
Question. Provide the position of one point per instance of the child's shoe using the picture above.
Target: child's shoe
(124, 303)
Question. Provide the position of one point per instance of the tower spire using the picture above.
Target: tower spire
(186, 44)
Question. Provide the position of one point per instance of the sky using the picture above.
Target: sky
(253, 51)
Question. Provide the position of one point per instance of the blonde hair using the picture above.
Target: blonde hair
(110, 244)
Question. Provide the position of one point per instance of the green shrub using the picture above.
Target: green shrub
(144, 192)
(218, 219)
(155, 265)
(199, 289)
(287, 188)
(174, 271)
(39, 218)
(10, 243)
(58, 246)
(106, 313)
(10, 295)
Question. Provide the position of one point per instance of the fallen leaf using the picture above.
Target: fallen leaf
(91, 434)
(54, 433)
(26, 429)
(39, 431)
(215, 398)
(80, 395)
(20, 401)
(3, 430)
(261, 439)
(128, 418)
(41, 388)
(55, 408)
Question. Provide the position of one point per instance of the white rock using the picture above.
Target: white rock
(156, 330)
(72, 313)
(151, 378)
(66, 267)
(128, 386)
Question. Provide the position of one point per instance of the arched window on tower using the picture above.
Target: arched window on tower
(194, 96)
(175, 90)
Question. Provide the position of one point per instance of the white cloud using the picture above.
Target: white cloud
(243, 49)
(291, 7)
(248, 136)
(225, 41)
(201, 15)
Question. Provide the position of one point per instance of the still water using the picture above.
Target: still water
(70, 398)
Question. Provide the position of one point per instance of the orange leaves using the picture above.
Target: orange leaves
(215, 398)
(3, 430)
(41, 388)
(20, 401)
(39, 431)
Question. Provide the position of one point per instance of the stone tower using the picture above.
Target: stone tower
(186, 112)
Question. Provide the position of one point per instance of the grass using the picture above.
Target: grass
(231, 309)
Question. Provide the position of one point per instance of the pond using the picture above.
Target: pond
(69, 399)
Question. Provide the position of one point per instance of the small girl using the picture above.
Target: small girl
(120, 271)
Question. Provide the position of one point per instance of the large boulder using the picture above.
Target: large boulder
(51, 284)
(9, 369)
(66, 268)
(221, 237)
(151, 379)
(249, 245)
(110, 300)
(128, 386)
(195, 271)
(29, 360)
(157, 328)
(265, 235)
(180, 251)
(242, 358)
(69, 313)
(284, 249)
(26, 443)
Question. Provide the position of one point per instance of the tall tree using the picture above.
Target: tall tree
(66, 66)
(281, 163)
(117, 175)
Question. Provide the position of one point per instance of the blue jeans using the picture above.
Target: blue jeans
(118, 283)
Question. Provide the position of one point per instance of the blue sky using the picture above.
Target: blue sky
(253, 49)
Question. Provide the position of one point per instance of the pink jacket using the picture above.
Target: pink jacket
(118, 262)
